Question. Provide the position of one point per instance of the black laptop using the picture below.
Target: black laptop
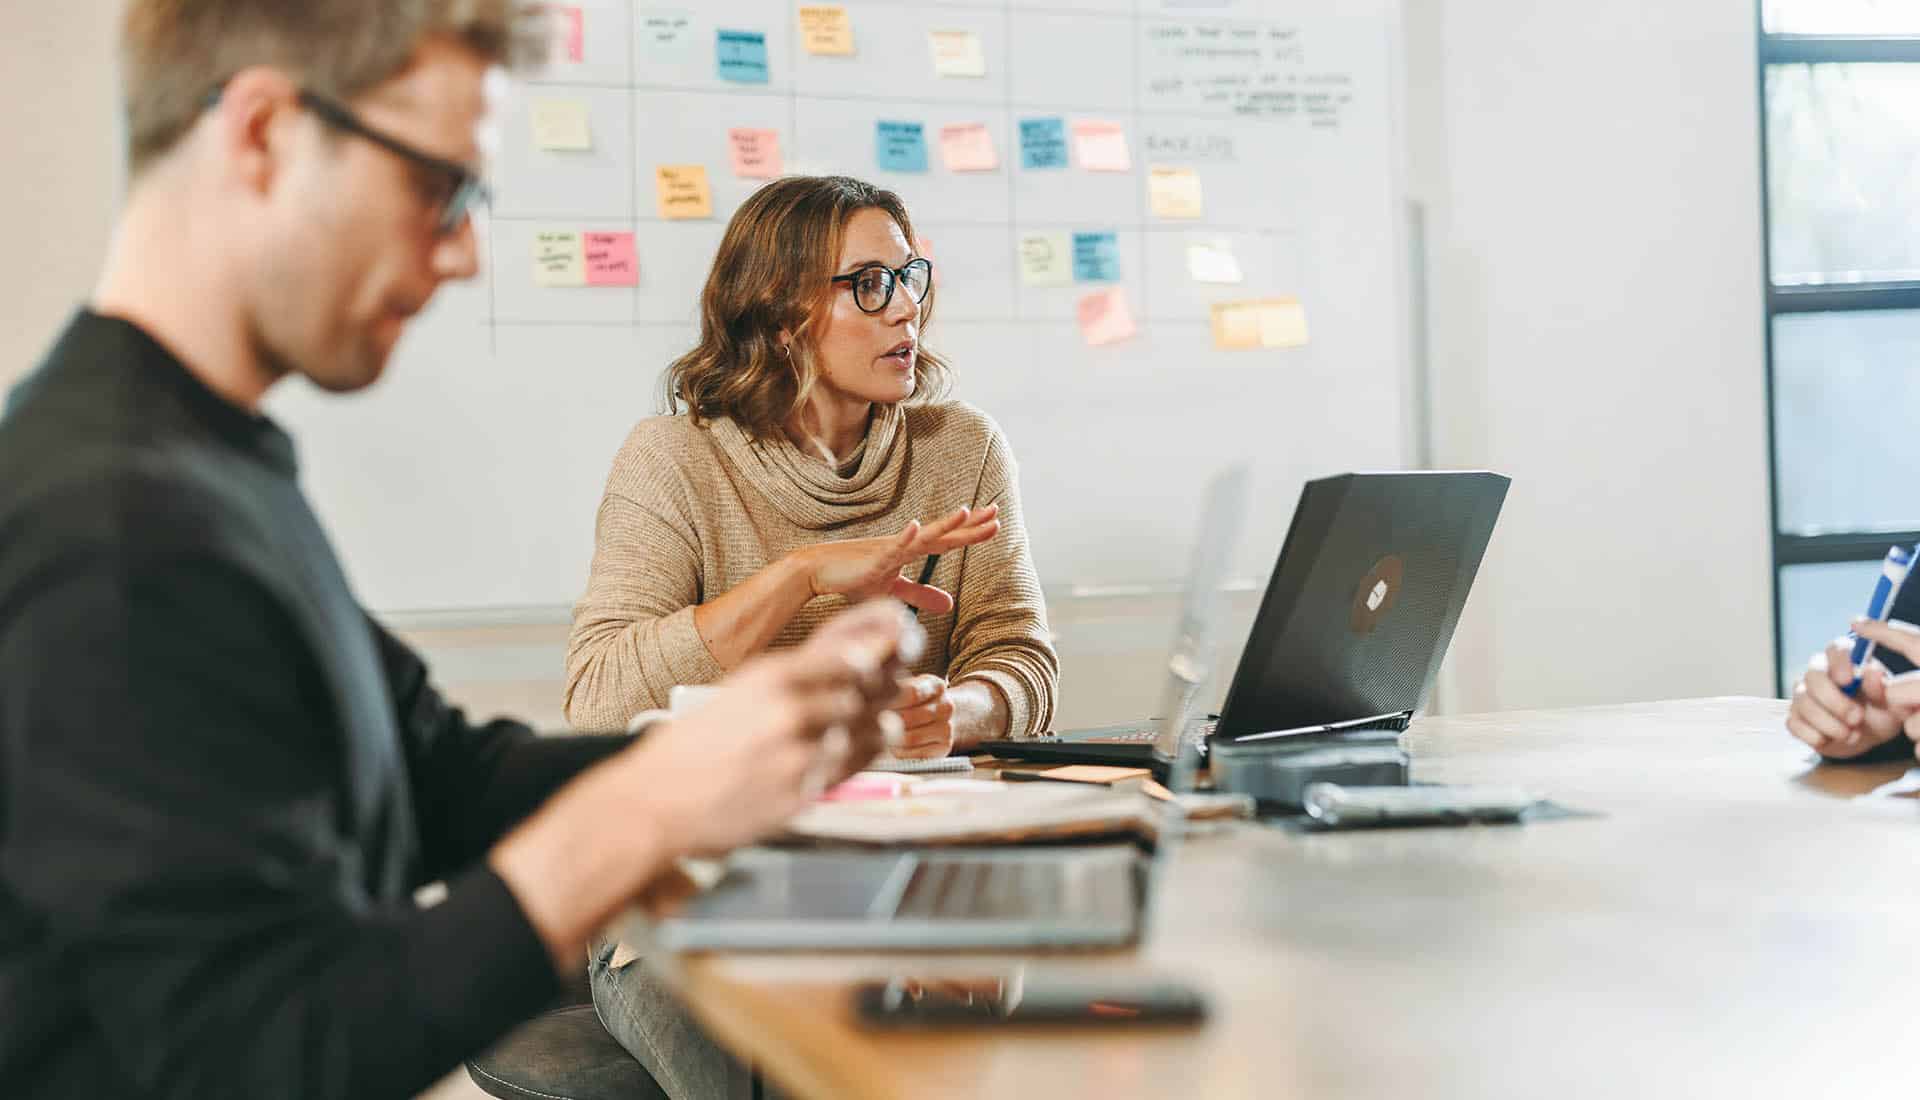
(1356, 619)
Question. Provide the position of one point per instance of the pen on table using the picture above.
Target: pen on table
(1893, 574)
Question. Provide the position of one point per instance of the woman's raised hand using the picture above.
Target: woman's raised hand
(862, 569)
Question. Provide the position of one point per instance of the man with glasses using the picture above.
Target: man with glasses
(220, 781)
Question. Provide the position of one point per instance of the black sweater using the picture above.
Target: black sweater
(220, 781)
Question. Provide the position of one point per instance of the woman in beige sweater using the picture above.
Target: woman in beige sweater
(813, 464)
(813, 448)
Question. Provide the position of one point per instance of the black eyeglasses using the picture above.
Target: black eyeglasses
(456, 189)
(873, 285)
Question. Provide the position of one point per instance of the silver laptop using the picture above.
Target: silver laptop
(1085, 896)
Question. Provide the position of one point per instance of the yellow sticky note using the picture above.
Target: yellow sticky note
(1236, 326)
(562, 125)
(559, 259)
(1046, 259)
(1213, 262)
(957, 53)
(1105, 317)
(826, 29)
(1175, 192)
(1101, 146)
(968, 147)
(1283, 323)
(683, 191)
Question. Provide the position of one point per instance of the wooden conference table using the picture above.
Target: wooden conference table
(1734, 921)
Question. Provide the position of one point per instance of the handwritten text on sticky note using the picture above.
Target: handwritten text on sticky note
(957, 53)
(561, 125)
(666, 40)
(968, 147)
(742, 56)
(756, 153)
(682, 192)
(559, 260)
(1105, 317)
(825, 29)
(1096, 258)
(1043, 143)
(1046, 259)
(1101, 146)
(900, 146)
(611, 260)
(1174, 192)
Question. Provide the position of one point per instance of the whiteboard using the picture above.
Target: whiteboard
(468, 479)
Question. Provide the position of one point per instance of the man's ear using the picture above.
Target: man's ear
(253, 124)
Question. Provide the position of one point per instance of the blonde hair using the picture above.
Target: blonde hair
(175, 53)
(771, 275)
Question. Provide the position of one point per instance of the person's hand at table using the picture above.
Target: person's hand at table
(926, 710)
(1842, 727)
(861, 569)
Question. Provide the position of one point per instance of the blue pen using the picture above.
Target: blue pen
(1893, 574)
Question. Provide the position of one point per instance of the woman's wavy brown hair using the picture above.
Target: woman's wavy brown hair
(771, 275)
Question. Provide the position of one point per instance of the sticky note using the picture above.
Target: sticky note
(1213, 262)
(957, 53)
(1105, 317)
(1283, 323)
(1101, 146)
(1043, 143)
(1173, 192)
(569, 34)
(611, 260)
(1046, 259)
(756, 153)
(743, 56)
(1236, 326)
(901, 146)
(1096, 258)
(1096, 773)
(682, 191)
(559, 259)
(825, 29)
(561, 125)
(666, 38)
(968, 147)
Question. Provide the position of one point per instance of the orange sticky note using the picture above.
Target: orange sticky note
(1174, 192)
(756, 153)
(1283, 323)
(1101, 146)
(1236, 326)
(825, 29)
(611, 260)
(1095, 773)
(682, 191)
(1105, 317)
(968, 147)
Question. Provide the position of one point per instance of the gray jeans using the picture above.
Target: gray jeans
(638, 1009)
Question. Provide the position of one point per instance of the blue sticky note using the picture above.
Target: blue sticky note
(901, 146)
(1043, 143)
(743, 57)
(1096, 258)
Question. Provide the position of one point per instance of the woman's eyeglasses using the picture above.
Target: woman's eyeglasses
(873, 285)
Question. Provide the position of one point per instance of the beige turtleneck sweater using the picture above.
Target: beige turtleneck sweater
(692, 511)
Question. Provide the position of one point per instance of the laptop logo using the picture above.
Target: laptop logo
(1374, 597)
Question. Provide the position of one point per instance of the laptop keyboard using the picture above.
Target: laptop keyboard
(1196, 731)
(979, 889)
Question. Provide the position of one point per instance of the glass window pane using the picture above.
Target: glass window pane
(1846, 421)
(1842, 17)
(1816, 604)
(1844, 172)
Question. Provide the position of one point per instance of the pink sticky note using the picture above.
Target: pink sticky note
(756, 153)
(611, 260)
(573, 31)
(1101, 146)
(1105, 317)
(868, 787)
(968, 147)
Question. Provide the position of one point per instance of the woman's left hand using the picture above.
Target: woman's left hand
(926, 710)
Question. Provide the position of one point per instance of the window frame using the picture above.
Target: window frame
(1864, 297)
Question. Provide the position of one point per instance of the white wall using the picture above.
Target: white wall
(1591, 176)
(63, 166)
